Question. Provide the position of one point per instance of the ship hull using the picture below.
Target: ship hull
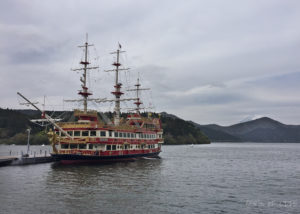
(75, 159)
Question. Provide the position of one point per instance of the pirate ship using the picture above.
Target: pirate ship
(91, 139)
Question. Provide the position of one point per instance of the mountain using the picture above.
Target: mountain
(13, 125)
(259, 130)
(179, 131)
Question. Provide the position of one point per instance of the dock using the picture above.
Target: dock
(7, 160)
(15, 161)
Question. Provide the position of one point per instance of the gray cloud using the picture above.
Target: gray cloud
(208, 61)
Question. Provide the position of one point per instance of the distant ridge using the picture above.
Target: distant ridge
(259, 130)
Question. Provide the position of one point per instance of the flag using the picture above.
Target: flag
(120, 46)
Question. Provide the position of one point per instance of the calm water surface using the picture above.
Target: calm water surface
(216, 178)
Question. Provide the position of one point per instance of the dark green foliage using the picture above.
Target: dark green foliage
(13, 125)
(178, 131)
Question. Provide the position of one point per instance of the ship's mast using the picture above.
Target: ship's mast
(85, 93)
(117, 92)
(137, 90)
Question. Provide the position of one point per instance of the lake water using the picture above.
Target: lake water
(216, 178)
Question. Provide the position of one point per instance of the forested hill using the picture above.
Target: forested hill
(178, 131)
(260, 130)
(13, 125)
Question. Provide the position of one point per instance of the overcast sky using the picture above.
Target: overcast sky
(210, 61)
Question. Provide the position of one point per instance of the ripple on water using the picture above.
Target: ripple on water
(216, 178)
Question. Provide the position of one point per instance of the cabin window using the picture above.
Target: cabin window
(64, 146)
(103, 133)
(120, 134)
(114, 147)
(116, 134)
(108, 147)
(128, 135)
(126, 146)
(82, 146)
(85, 133)
(132, 135)
(90, 146)
(93, 133)
(70, 133)
(110, 133)
(76, 133)
(73, 146)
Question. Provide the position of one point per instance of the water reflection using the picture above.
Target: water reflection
(101, 185)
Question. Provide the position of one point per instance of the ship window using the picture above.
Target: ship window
(70, 133)
(90, 146)
(57, 133)
(116, 134)
(85, 133)
(110, 133)
(82, 146)
(126, 146)
(132, 135)
(120, 134)
(114, 147)
(64, 146)
(103, 133)
(92, 133)
(73, 146)
(76, 133)
(128, 135)
(108, 147)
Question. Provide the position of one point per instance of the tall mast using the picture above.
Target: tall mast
(117, 92)
(85, 93)
(137, 90)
